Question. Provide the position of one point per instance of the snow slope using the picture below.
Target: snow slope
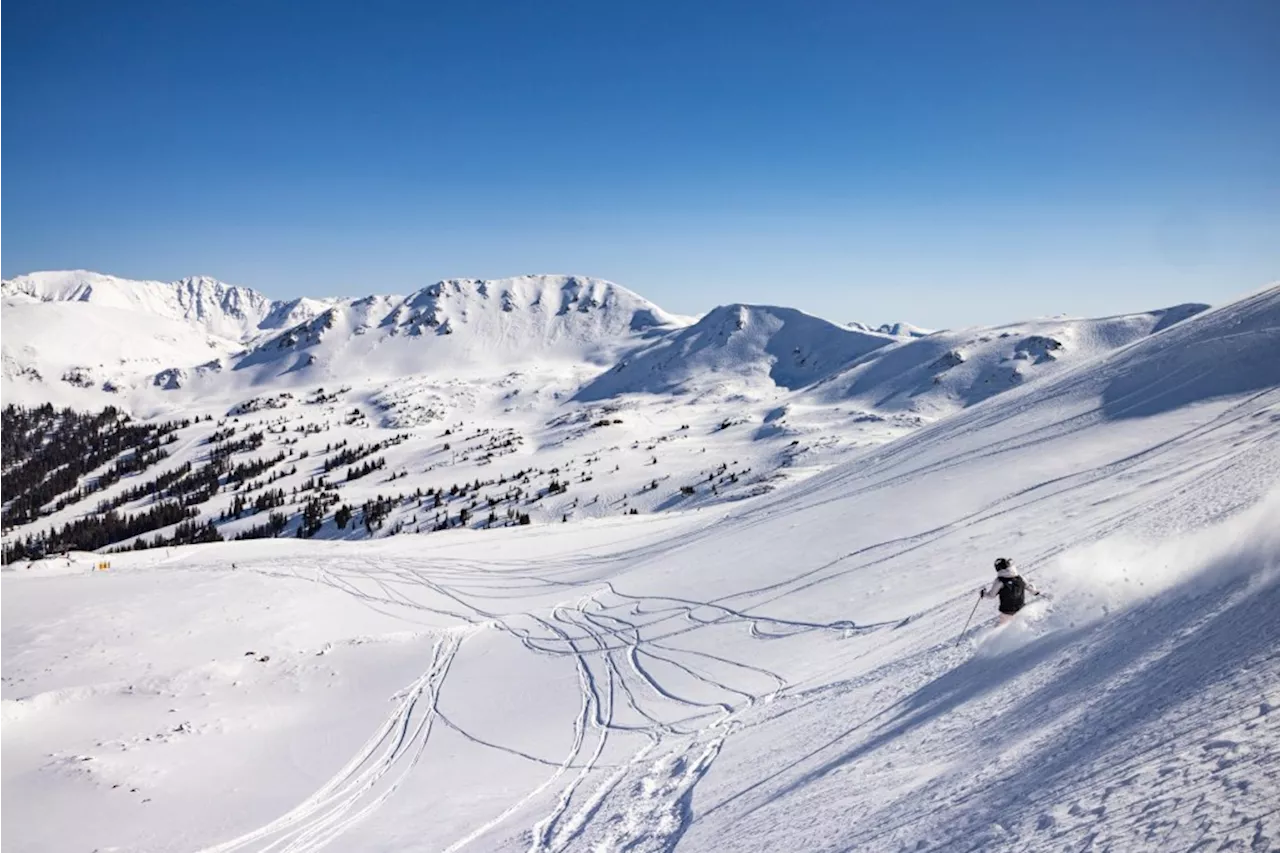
(82, 355)
(950, 370)
(782, 673)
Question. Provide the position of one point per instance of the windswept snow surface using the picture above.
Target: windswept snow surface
(785, 673)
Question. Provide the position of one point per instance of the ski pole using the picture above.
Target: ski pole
(970, 619)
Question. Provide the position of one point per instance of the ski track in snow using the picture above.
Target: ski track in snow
(608, 635)
(615, 640)
(635, 682)
(371, 776)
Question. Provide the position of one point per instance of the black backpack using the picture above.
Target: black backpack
(1013, 594)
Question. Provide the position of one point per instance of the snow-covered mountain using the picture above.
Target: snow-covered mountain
(540, 355)
(465, 324)
(897, 330)
(736, 347)
(224, 310)
(731, 406)
(447, 327)
(88, 356)
(85, 339)
(691, 646)
(945, 371)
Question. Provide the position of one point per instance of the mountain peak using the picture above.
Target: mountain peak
(897, 330)
(225, 310)
(462, 323)
(740, 345)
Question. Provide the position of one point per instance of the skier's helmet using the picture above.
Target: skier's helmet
(1003, 563)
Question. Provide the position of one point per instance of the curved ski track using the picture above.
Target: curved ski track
(370, 777)
(621, 648)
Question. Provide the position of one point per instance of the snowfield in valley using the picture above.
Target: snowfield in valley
(733, 624)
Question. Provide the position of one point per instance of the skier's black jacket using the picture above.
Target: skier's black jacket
(1013, 594)
(1012, 589)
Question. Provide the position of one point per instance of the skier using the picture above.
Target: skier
(1010, 587)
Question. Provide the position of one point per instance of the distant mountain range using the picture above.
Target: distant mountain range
(236, 411)
(84, 338)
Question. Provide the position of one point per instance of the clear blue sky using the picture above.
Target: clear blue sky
(944, 163)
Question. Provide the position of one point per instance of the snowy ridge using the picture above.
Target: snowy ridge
(897, 330)
(757, 344)
(468, 323)
(235, 313)
(946, 371)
